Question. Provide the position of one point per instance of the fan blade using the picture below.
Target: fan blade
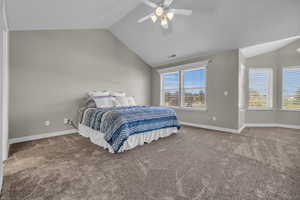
(181, 12)
(150, 3)
(167, 3)
(145, 18)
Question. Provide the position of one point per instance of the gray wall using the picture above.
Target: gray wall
(222, 75)
(284, 57)
(51, 71)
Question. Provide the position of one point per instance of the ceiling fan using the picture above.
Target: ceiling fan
(163, 12)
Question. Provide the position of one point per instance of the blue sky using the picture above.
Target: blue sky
(258, 82)
(192, 79)
(291, 81)
(171, 80)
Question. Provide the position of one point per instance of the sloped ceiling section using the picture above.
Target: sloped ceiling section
(216, 25)
(66, 14)
(259, 49)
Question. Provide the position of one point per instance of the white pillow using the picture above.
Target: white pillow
(118, 94)
(104, 102)
(121, 101)
(98, 93)
(131, 101)
(125, 101)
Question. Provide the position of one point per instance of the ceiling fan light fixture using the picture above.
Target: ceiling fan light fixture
(163, 13)
(154, 18)
(163, 20)
(170, 15)
(159, 11)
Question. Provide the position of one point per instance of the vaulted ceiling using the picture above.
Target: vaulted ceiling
(263, 48)
(216, 25)
(66, 14)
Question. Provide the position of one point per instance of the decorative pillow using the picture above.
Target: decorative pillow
(118, 94)
(104, 102)
(131, 101)
(98, 93)
(125, 101)
(121, 101)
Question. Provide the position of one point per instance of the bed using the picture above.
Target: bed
(121, 128)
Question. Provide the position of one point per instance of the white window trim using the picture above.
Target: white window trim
(292, 110)
(271, 82)
(181, 69)
(282, 89)
(184, 67)
(260, 109)
(182, 88)
(162, 89)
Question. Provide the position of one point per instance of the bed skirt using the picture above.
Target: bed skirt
(133, 141)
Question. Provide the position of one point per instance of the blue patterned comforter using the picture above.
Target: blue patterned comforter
(119, 123)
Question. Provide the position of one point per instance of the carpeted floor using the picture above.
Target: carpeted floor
(262, 163)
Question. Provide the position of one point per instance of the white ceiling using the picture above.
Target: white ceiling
(216, 25)
(66, 14)
(259, 49)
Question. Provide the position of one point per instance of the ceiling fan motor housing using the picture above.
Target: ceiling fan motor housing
(159, 11)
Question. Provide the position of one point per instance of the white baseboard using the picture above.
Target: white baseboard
(228, 130)
(237, 131)
(41, 136)
(261, 125)
(272, 125)
(242, 128)
(289, 126)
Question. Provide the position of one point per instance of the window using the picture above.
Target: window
(184, 88)
(171, 89)
(260, 88)
(291, 88)
(194, 88)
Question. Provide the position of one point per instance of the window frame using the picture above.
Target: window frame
(162, 90)
(282, 89)
(271, 89)
(182, 92)
(181, 87)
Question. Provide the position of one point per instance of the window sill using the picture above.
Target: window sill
(260, 109)
(188, 109)
(290, 110)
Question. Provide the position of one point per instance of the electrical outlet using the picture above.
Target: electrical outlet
(47, 123)
(214, 118)
(66, 120)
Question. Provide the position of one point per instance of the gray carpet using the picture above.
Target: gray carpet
(262, 163)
